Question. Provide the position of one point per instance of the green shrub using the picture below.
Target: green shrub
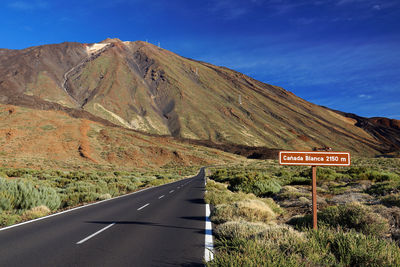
(323, 174)
(8, 218)
(354, 249)
(265, 187)
(365, 173)
(301, 221)
(80, 192)
(355, 216)
(391, 200)
(23, 194)
(350, 216)
(384, 188)
(259, 186)
(219, 175)
(280, 246)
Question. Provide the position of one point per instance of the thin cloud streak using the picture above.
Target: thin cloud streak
(28, 6)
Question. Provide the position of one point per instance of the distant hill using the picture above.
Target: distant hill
(53, 139)
(142, 87)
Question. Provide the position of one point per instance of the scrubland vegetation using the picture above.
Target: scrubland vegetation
(262, 214)
(28, 194)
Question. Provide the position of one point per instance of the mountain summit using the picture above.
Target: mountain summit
(142, 87)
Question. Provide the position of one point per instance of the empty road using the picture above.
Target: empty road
(162, 226)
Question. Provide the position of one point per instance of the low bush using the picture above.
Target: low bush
(21, 194)
(353, 249)
(384, 188)
(254, 183)
(323, 174)
(368, 173)
(217, 193)
(244, 229)
(352, 216)
(248, 210)
(281, 246)
(36, 212)
(8, 218)
(391, 200)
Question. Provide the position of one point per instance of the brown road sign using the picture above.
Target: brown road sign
(314, 158)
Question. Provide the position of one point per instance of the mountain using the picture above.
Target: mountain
(148, 89)
(53, 139)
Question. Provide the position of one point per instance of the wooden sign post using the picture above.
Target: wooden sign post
(314, 159)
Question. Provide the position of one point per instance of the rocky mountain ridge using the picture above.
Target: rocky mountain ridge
(142, 87)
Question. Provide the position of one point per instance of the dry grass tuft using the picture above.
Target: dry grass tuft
(36, 212)
(270, 232)
(251, 210)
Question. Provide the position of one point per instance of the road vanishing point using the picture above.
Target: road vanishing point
(159, 226)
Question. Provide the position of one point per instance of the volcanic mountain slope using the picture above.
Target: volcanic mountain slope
(37, 138)
(140, 86)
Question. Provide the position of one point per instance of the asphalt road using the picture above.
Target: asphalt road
(162, 226)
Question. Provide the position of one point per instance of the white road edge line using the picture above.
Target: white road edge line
(209, 244)
(94, 234)
(160, 197)
(208, 240)
(144, 206)
(87, 205)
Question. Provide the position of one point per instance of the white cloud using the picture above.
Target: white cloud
(364, 96)
(377, 7)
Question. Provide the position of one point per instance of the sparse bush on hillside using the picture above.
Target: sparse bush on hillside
(384, 188)
(280, 246)
(350, 216)
(355, 216)
(217, 193)
(254, 182)
(323, 174)
(391, 200)
(249, 210)
(373, 174)
(348, 235)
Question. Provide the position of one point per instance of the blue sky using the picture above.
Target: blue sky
(344, 54)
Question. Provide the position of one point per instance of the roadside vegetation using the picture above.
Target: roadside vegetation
(27, 194)
(261, 213)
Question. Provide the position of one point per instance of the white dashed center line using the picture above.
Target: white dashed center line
(171, 191)
(144, 206)
(160, 197)
(92, 235)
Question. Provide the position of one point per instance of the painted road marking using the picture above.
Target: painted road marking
(160, 197)
(209, 245)
(92, 235)
(171, 191)
(208, 240)
(144, 206)
(84, 206)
